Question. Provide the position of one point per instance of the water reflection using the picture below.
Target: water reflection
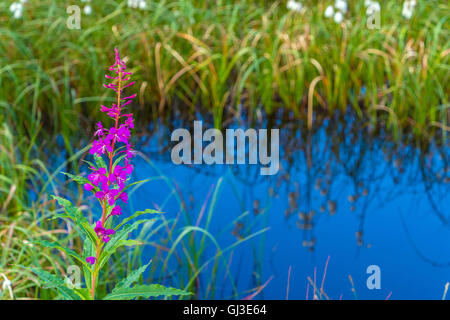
(318, 165)
(344, 173)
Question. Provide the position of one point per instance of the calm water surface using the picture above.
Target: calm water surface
(342, 192)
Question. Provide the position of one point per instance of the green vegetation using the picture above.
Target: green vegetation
(214, 57)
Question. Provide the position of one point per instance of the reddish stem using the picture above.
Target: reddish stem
(111, 156)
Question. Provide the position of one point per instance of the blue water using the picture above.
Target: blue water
(398, 221)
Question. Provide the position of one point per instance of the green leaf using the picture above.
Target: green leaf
(77, 179)
(52, 281)
(91, 165)
(109, 250)
(116, 162)
(145, 291)
(135, 183)
(88, 251)
(123, 233)
(56, 245)
(131, 278)
(99, 161)
(76, 216)
(70, 210)
(135, 215)
(117, 240)
(83, 293)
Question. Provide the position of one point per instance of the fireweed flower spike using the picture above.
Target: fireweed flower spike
(109, 183)
(112, 151)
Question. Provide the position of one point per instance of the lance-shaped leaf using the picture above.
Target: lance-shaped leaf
(135, 215)
(117, 161)
(117, 240)
(140, 182)
(88, 251)
(131, 278)
(52, 281)
(77, 217)
(109, 250)
(84, 293)
(56, 245)
(100, 163)
(145, 291)
(77, 179)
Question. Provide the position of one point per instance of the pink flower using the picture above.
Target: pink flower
(109, 186)
(98, 176)
(119, 135)
(116, 211)
(88, 187)
(95, 178)
(99, 131)
(119, 176)
(102, 232)
(128, 168)
(100, 147)
(130, 122)
(90, 260)
(124, 197)
(107, 194)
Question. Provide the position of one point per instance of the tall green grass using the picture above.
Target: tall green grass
(229, 57)
(24, 215)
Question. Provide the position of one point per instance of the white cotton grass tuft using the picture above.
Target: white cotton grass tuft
(142, 5)
(294, 6)
(133, 3)
(408, 8)
(338, 17)
(7, 285)
(341, 5)
(372, 7)
(87, 10)
(17, 9)
(337, 11)
(329, 12)
(137, 4)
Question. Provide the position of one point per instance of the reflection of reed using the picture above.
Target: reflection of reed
(337, 152)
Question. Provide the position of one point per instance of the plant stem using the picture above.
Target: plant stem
(95, 273)
(111, 156)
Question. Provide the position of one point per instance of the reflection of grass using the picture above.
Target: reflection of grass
(250, 52)
(320, 294)
(187, 252)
